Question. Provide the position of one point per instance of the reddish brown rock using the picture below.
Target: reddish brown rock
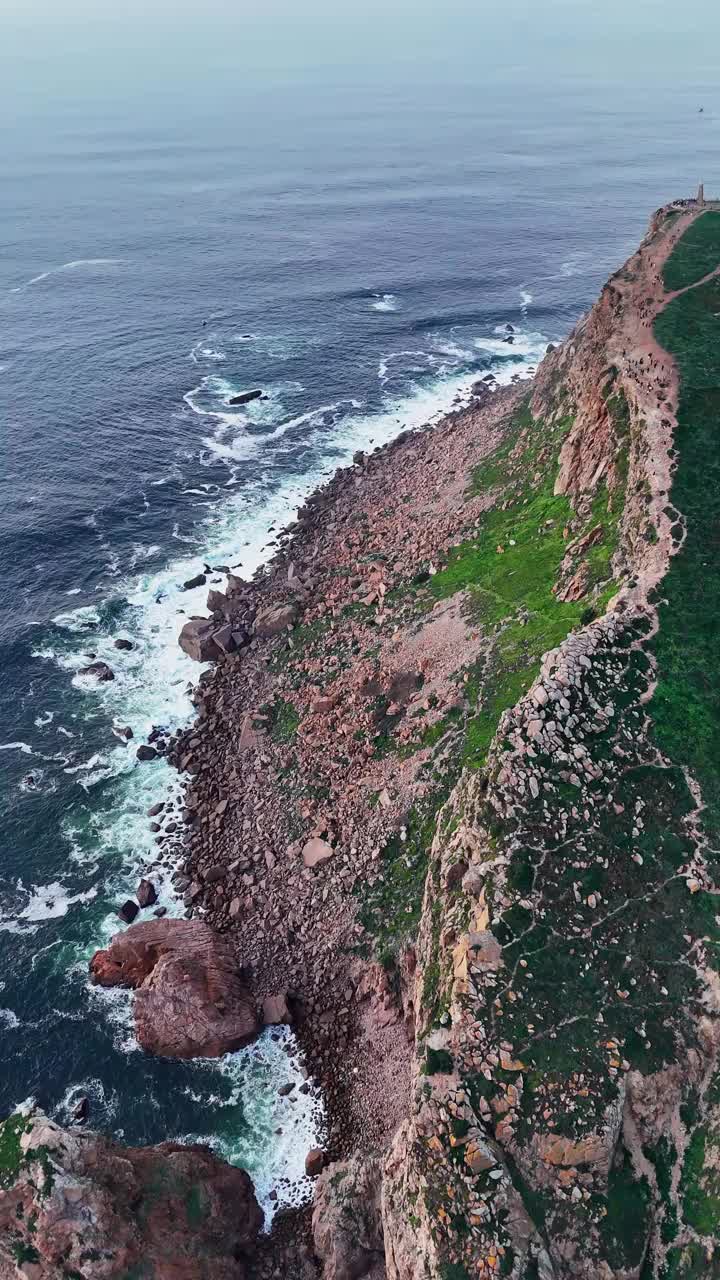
(77, 1203)
(347, 1219)
(275, 619)
(315, 852)
(146, 893)
(276, 1010)
(197, 640)
(190, 1000)
(314, 1162)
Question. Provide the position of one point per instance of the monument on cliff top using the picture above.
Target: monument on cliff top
(701, 193)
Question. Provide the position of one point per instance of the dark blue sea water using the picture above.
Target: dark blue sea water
(350, 226)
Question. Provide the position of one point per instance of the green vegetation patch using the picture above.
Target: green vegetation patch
(11, 1154)
(696, 253)
(628, 1209)
(284, 720)
(510, 567)
(686, 706)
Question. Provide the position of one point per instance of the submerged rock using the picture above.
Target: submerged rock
(75, 1203)
(190, 1000)
(99, 671)
(244, 397)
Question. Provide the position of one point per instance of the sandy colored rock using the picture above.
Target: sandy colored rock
(275, 619)
(315, 852)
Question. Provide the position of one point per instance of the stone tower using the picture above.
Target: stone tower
(701, 194)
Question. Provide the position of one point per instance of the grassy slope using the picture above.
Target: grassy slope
(695, 255)
(508, 571)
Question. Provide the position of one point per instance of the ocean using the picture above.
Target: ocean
(360, 233)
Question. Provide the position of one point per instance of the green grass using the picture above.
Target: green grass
(695, 254)
(700, 1185)
(509, 568)
(686, 707)
(284, 720)
(11, 1155)
(390, 909)
(437, 1060)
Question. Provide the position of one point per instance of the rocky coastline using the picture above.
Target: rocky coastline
(429, 820)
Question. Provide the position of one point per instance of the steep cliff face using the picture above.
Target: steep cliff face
(564, 1117)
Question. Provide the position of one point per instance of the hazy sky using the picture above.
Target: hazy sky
(53, 52)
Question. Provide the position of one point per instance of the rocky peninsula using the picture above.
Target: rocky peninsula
(451, 808)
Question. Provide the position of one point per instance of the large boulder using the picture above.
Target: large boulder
(206, 641)
(347, 1219)
(197, 640)
(190, 1000)
(275, 619)
(75, 1203)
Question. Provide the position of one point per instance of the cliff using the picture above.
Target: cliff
(469, 738)
(564, 1117)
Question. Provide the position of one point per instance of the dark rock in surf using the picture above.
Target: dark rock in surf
(122, 643)
(99, 671)
(198, 581)
(146, 893)
(80, 1110)
(244, 397)
(146, 753)
(128, 911)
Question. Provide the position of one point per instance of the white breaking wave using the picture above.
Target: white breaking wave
(10, 1019)
(68, 266)
(45, 902)
(204, 351)
(384, 302)
(280, 1130)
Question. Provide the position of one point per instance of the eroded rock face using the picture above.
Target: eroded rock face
(75, 1203)
(190, 1000)
(346, 1223)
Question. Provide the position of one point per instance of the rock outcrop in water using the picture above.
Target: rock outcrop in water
(75, 1204)
(190, 999)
